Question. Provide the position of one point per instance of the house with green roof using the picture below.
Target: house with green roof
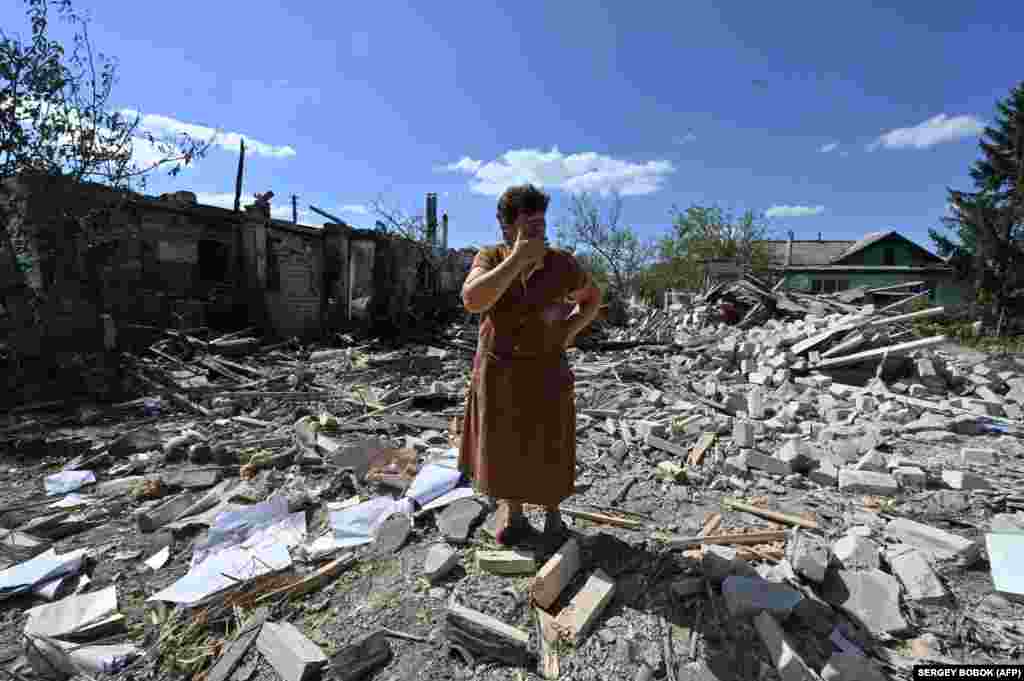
(878, 260)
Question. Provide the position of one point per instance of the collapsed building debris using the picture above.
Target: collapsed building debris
(808, 485)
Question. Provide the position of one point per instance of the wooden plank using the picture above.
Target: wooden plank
(556, 574)
(427, 422)
(313, 581)
(585, 608)
(752, 538)
(910, 316)
(548, 637)
(699, 449)
(879, 353)
(506, 562)
(785, 518)
(293, 656)
(601, 518)
(224, 667)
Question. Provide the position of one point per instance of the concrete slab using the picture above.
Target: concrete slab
(797, 455)
(964, 480)
(743, 433)
(935, 543)
(855, 552)
(787, 660)
(911, 477)
(867, 482)
(873, 461)
(920, 581)
(746, 596)
(439, 561)
(809, 555)
(871, 597)
(768, 464)
(826, 474)
(851, 667)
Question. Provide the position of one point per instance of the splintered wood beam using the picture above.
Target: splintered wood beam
(548, 637)
(879, 353)
(699, 449)
(784, 518)
(585, 608)
(556, 574)
(751, 538)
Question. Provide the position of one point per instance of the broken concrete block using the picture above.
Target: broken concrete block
(150, 520)
(581, 614)
(290, 653)
(745, 596)
(873, 461)
(964, 480)
(790, 665)
(797, 455)
(855, 552)
(920, 581)
(935, 543)
(506, 562)
(766, 463)
(556, 574)
(755, 402)
(826, 474)
(871, 597)
(911, 477)
(851, 667)
(736, 465)
(743, 433)
(809, 555)
(865, 404)
(440, 560)
(720, 562)
(867, 482)
(688, 586)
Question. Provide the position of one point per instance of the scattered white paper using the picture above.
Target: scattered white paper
(235, 525)
(432, 481)
(449, 497)
(43, 568)
(73, 501)
(67, 481)
(159, 559)
(73, 659)
(71, 614)
(1005, 555)
(223, 570)
(357, 525)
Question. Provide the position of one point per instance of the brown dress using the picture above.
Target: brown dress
(519, 430)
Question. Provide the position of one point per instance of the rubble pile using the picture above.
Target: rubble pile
(812, 495)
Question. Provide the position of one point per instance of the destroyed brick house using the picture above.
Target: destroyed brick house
(877, 260)
(169, 262)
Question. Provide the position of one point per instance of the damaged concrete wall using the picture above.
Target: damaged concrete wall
(295, 291)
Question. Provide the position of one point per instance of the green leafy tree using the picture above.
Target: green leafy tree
(56, 120)
(984, 235)
(707, 232)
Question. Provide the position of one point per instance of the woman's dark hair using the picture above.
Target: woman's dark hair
(521, 199)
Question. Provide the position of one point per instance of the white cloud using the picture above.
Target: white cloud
(684, 139)
(466, 165)
(935, 130)
(831, 146)
(583, 172)
(159, 126)
(778, 211)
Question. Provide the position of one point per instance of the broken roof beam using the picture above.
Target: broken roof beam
(910, 316)
(880, 353)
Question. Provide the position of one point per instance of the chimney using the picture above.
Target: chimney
(431, 218)
(444, 232)
(819, 236)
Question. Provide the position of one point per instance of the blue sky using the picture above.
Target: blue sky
(838, 118)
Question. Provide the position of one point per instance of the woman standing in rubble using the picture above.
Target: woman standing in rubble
(519, 433)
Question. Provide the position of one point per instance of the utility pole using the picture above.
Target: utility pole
(295, 209)
(238, 176)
